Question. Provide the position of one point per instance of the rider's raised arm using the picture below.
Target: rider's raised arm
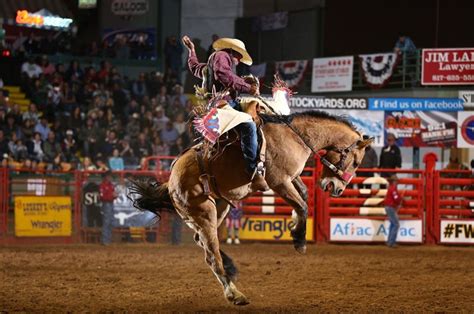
(222, 67)
(194, 65)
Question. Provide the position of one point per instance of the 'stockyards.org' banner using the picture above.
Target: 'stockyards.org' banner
(42, 216)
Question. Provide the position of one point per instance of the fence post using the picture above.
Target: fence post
(430, 160)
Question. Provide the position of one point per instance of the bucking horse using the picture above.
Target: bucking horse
(290, 140)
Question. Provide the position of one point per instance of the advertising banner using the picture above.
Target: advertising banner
(302, 103)
(367, 122)
(422, 128)
(371, 230)
(275, 228)
(332, 74)
(467, 96)
(447, 66)
(457, 231)
(418, 104)
(466, 129)
(42, 216)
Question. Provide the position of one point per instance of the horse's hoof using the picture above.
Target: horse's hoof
(241, 300)
(301, 249)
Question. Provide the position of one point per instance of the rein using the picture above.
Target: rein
(337, 169)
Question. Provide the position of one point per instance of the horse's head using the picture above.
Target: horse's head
(340, 165)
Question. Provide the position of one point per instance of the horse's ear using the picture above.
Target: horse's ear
(365, 142)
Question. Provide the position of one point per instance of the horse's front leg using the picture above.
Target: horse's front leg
(295, 193)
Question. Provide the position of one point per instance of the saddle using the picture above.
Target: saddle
(207, 153)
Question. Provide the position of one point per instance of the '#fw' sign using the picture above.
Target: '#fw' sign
(276, 228)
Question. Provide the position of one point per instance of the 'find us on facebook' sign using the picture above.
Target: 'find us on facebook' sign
(372, 230)
(416, 104)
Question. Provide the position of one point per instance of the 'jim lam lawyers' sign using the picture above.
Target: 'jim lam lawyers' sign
(450, 66)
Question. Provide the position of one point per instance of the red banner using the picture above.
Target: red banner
(449, 66)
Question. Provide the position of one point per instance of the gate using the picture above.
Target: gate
(453, 206)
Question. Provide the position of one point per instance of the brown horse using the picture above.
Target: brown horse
(290, 141)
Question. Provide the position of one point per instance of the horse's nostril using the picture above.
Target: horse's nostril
(339, 192)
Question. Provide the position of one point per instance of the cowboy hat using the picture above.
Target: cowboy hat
(234, 44)
(393, 178)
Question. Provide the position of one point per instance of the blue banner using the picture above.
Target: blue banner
(416, 104)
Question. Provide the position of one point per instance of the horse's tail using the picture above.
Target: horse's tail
(150, 195)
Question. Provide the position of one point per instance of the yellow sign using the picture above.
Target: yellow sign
(42, 216)
(276, 228)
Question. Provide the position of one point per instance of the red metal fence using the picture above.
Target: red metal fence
(438, 207)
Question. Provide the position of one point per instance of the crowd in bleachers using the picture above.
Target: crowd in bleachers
(91, 118)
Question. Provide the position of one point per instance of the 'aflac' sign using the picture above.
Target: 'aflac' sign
(370, 230)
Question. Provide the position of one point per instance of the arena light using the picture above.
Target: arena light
(42, 18)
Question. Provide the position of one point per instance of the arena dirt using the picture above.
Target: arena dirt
(151, 278)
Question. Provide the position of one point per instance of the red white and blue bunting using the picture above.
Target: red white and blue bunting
(377, 69)
(291, 72)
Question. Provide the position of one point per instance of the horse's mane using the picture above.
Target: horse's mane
(310, 114)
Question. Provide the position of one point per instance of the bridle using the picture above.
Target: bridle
(337, 168)
(345, 176)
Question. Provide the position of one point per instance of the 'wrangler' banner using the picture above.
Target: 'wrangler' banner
(276, 228)
(42, 216)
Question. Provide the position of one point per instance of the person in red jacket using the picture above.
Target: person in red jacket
(107, 196)
(393, 202)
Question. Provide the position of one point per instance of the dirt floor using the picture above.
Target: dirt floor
(329, 278)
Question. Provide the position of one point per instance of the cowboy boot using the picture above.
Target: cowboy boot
(258, 179)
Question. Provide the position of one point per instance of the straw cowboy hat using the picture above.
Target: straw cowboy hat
(234, 44)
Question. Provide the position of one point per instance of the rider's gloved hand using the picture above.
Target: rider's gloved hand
(254, 90)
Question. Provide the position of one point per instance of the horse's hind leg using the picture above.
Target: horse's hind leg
(294, 193)
(205, 225)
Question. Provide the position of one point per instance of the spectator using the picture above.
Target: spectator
(159, 148)
(111, 143)
(101, 165)
(133, 127)
(88, 165)
(51, 148)
(70, 147)
(90, 136)
(404, 45)
(35, 147)
(127, 152)
(233, 224)
(160, 119)
(116, 162)
(31, 114)
(43, 128)
(370, 160)
(179, 97)
(142, 146)
(18, 149)
(179, 124)
(390, 157)
(139, 89)
(16, 113)
(4, 149)
(27, 129)
(393, 201)
(169, 134)
(11, 128)
(46, 67)
(107, 196)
